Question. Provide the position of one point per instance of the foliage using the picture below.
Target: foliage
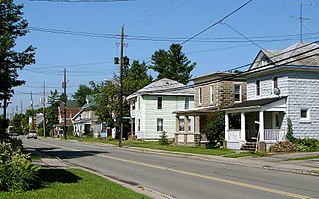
(163, 138)
(4, 123)
(81, 93)
(283, 146)
(12, 27)
(215, 130)
(289, 135)
(16, 171)
(172, 64)
(52, 110)
(70, 130)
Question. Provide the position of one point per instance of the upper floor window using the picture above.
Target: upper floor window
(186, 105)
(139, 125)
(237, 92)
(200, 96)
(275, 82)
(133, 106)
(159, 103)
(159, 124)
(139, 103)
(212, 93)
(257, 87)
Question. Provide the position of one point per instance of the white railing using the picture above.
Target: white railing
(274, 134)
(234, 134)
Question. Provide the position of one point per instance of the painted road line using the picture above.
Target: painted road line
(251, 186)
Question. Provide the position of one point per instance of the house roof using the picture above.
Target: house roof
(90, 102)
(164, 86)
(217, 76)
(254, 103)
(299, 54)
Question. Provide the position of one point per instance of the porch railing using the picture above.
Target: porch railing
(274, 134)
(234, 134)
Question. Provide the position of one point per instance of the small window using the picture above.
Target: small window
(200, 96)
(237, 92)
(304, 114)
(257, 87)
(181, 125)
(186, 106)
(275, 82)
(189, 125)
(139, 103)
(159, 124)
(133, 106)
(159, 103)
(212, 94)
(139, 125)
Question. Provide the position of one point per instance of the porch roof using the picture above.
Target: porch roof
(197, 111)
(254, 103)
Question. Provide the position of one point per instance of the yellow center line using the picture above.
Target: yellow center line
(256, 187)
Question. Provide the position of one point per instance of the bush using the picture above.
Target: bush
(163, 139)
(215, 130)
(283, 146)
(16, 171)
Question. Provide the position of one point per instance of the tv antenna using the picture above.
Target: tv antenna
(301, 18)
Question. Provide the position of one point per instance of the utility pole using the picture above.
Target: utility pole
(21, 117)
(64, 87)
(32, 114)
(121, 86)
(43, 101)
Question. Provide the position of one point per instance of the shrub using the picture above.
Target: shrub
(16, 171)
(215, 130)
(283, 146)
(163, 139)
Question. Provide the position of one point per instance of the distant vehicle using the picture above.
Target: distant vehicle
(11, 132)
(32, 134)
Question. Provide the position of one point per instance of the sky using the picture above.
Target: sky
(83, 37)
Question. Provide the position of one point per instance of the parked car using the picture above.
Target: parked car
(32, 134)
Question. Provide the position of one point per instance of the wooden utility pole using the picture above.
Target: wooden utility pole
(64, 87)
(32, 114)
(43, 101)
(121, 87)
(21, 116)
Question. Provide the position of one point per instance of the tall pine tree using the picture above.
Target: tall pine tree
(172, 64)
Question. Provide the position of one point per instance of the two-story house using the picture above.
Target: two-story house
(280, 84)
(86, 122)
(152, 108)
(212, 92)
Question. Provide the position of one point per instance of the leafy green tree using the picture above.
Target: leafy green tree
(52, 110)
(215, 129)
(12, 26)
(136, 78)
(81, 93)
(172, 64)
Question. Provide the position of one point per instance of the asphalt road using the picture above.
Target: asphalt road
(180, 177)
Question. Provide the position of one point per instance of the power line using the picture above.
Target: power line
(82, 1)
(214, 24)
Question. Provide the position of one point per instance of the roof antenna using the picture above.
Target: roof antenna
(301, 18)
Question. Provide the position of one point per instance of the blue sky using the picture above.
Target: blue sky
(270, 24)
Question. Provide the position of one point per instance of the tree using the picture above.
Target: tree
(81, 93)
(172, 64)
(52, 111)
(12, 26)
(215, 129)
(136, 78)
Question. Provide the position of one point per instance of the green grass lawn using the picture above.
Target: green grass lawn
(73, 183)
(186, 149)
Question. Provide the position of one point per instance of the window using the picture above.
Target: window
(159, 124)
(181, 125)
(304, 114)
(159, 102)
(200, 96)
(275, 82)
(257, 87)
(212, 94)
(133, 106)
(237, 92)
(139, 103)
(186, 106)
(189, 125)
(139, 125)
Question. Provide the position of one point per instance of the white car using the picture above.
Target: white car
(32, 134)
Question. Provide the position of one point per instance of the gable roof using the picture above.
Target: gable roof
(299, 54)
(164, 86)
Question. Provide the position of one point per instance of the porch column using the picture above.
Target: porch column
(197, 131)
(261, 126)
(226, 126)
(242, 127)
(176, 129)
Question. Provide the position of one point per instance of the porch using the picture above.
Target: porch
(260, 122)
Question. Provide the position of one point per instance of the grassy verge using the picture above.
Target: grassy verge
(304, 158)
(185, 149)
(74, 183)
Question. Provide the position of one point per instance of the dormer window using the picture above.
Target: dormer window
(265, 60)
(257, 87)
